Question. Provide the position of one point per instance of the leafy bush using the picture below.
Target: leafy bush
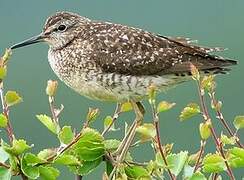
(86, 149)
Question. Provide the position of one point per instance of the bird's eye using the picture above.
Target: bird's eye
(61, 27)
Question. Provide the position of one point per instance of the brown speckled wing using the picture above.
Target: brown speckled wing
(124, 50)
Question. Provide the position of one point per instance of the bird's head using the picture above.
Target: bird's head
(58, 31)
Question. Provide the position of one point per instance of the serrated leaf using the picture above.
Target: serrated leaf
(86, 167)
(227, 140)
(189, 111)
(213, 163)
(239, 152)
(31, 172)
(12, 98)
(90, 146)
(177, 161)
(239, 122)
(5, 174)
(204, 129)
(136, 172)
(46, 153)
(197, 176)
(32, 159)
(164, 106)
(3, 121)
(125, 107)
(48, 172)
(3, 72)
(67, 159)
(66, 135)
(147, 131)
(48, 122)
(18, 147)
(236, 157)
(3, 155)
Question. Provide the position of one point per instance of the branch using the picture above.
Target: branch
(4, 165)
(5, 110)
(203, 143)
(208, 118)
(223, 121)
(156, 124)
(115, 117)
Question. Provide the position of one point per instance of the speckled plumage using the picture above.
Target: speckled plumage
(113, 62)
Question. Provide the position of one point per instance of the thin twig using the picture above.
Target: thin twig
(5, 110)
(156, 124)
(78, 177)
(216, 140)
(115, 117)
(203, 143)
(52, 108)
(223, 121)
(4, 165)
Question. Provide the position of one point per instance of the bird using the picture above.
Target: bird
(113, 62)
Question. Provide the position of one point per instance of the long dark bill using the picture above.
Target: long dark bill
(33, 40)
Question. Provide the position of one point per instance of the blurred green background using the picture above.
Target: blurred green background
(212, 22)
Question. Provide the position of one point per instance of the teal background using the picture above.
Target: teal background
(212, 22)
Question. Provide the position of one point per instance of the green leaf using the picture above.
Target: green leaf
(19, 146)
(31, 172)
(66, 135)
(92, 114)
(111, 144)
(3, 155)
(86, 167)
(239, 152)
(48, 172)
(5, 174)
(32, 159)
(14, 164)
(204, 129)
(188, 172)
(147, 131)
(239, 122)
(136, 172)
(3, 121)
(67, 159)
(90, 146)
(48, 122)
(177, 161)
(12, 98)
(236, 157)
(189, 111)
(46, 153)
(3, 72)
(164, 106)
(125, 107)
(227, 140)
(213, 163)
(198, 176)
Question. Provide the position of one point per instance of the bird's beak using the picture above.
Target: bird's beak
(33, 40)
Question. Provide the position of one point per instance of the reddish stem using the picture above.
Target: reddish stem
(223, 121)
(217, 143)
(200, 155)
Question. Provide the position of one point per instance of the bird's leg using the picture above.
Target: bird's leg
(126, 142)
